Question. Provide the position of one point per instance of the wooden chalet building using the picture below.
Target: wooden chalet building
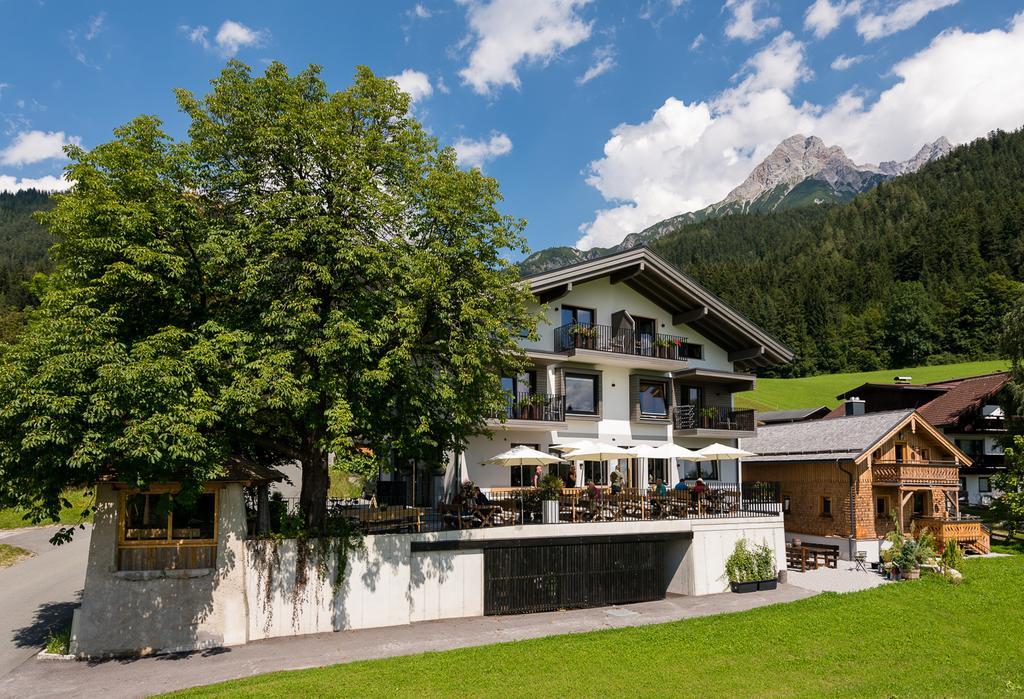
(842, 480)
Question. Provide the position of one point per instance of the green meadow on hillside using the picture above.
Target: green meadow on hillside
(812, 391)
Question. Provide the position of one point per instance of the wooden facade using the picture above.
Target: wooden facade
(912, 473)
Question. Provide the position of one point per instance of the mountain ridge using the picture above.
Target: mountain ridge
(800, 171)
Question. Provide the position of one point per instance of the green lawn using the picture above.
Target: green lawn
(812, 391)
(9, 555)
(917, 639)
(14, 518)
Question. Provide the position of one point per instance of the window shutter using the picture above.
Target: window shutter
(559, 387)
(599, 390)
(634, 398)
(542, 380)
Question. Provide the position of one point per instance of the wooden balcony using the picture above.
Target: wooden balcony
(969, 533)
(924, 473)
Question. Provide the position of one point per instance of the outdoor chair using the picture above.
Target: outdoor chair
(861, 560)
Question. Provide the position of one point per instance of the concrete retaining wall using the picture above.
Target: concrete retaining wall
(253, 594)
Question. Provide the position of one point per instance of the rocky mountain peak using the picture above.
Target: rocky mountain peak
(928, 153)
(794, 160)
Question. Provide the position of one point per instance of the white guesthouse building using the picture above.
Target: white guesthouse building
(632, 352)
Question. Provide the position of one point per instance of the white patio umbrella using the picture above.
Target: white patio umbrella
(600, 451)
(574, 444)
(671, 450)
(455, 475)
(716, 451)
(523, 456)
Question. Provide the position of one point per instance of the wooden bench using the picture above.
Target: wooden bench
(812, 556)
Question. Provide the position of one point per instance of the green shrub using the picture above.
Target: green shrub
(59, 642)
(550, 487)
(952, 556)
(746, 564)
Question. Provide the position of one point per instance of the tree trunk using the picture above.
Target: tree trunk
(313, 496)
(263, 509)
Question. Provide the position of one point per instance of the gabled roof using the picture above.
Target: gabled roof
(689, 303)
(963, 398)
(844, 438)
(941, 402)
(771, 417)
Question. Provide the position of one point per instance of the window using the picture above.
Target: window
(708, 470)
(522, 476)
(786, 504)
(826, 506)
(881, 507)
(657, 468)
(593, 471)
(653, 398)
(690, 395)
(525, 383)
(691, 351)
(900, 449)
(925, 455)
(581, 393)
(161, 518)
(983, 485)
(919, 504)
(579, 316)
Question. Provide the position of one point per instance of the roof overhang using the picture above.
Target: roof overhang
(689, 303)
(732, 381)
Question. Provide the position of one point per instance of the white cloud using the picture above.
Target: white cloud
(743, 25)
(420, 11)
(697, 42)
(824, 16)
(604, 60)
(231, 37)
(842, 62)
(3, 86)
(474, 153)
(95, 26)
(415, 83)
(49, 183)
(903, 16)
(34, 146)
(689, 155)
(507, 33)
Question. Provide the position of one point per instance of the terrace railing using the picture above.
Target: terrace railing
(695, 417)
(919, 473)
(605, 338)
(544, 407)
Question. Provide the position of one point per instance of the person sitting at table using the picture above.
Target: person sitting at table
(681, 486)
(570, 478)
(480, 498)
(660, 489)
(700, 487)
(593, 491)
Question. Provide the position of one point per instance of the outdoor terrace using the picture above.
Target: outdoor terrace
(522, 506)
(696, 418)
(604, 338)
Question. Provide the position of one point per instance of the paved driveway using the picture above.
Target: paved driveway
(38, 593)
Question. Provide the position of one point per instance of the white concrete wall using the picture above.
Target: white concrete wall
(161, 611)
(714, 541)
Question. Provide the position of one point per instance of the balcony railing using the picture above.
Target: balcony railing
(695, 417)
(919, 473)
(604, 338)
(543, 407)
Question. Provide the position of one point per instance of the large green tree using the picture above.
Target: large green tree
(305, 273)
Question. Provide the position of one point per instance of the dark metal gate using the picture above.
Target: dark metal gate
(538, 578)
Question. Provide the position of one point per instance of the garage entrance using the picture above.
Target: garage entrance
(525, 576)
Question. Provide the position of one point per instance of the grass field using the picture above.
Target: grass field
(14, 518)
(9, 555)
(812, 391)
(916, 639)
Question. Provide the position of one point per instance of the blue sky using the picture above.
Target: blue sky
(598, 118)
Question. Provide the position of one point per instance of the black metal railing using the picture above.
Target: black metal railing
(696, 417)
(544, 407)
(764, 494)
(605, 338)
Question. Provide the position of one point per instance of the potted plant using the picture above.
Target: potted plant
(662, 344)
(550, 488)
(583, 335)
(708, 416)
(903, 558)
(535, 406)
(751, 568)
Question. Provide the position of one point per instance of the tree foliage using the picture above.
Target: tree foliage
(1009, 506)
(305, 273)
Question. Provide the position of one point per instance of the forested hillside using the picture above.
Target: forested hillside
(23, 247)
(919, 270)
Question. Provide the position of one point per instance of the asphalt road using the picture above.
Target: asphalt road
(38, 593)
